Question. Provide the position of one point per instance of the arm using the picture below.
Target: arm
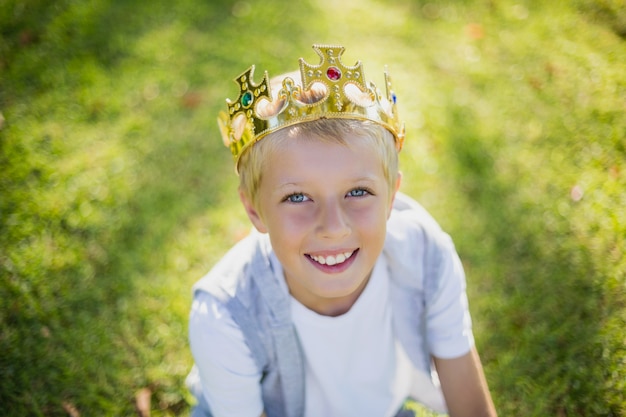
(228, 376)
(464, 386)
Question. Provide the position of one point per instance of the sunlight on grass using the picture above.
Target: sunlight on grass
(117, 193)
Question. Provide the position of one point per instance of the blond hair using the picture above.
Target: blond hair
(333, 130)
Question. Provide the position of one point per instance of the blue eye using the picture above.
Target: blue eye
(296, 198)
(358, 192)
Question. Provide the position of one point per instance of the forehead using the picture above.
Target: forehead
(329, 158)
(325, 135)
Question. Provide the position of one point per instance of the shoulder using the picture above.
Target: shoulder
(235, 293)
(233, 274)
(423, 260)
(412, 232)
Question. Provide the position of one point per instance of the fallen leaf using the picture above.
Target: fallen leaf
(474, 31)
(576, 193)
(28, 37)
(45, 332)
(191, 100)
(70, 409)
(142, 402)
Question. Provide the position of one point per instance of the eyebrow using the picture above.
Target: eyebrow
(296, 184)
(371, 178)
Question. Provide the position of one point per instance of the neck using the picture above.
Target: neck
(331, 306)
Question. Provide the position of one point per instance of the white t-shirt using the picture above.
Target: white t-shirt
(350, 360)
(354, 364)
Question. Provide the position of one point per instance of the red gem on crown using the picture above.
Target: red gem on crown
(333, 74)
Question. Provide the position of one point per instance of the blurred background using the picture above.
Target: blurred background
(116, 193)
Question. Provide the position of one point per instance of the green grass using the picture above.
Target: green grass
(116, 193)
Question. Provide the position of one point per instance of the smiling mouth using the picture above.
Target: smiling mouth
(332, 260)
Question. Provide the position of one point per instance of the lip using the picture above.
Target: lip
(333, 269)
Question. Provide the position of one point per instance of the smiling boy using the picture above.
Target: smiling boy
(324, 206)
(349, 299)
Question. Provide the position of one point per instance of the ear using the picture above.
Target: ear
(393, 194)
(253, 214)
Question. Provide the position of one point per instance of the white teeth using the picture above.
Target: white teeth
(332, 260)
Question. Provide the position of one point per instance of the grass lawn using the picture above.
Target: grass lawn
(116, 193)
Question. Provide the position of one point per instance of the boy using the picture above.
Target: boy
(349, 299)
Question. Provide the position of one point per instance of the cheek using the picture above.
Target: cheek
(292, 223)
(373, 225)
(369, 217)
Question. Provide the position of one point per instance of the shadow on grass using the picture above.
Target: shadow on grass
(544, 306)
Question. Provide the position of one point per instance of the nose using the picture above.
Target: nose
(333, 221)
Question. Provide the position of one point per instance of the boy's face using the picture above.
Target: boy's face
(325, 207)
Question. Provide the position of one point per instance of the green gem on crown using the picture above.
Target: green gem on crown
(246, 99)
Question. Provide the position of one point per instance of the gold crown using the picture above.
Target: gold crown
(251, 127)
